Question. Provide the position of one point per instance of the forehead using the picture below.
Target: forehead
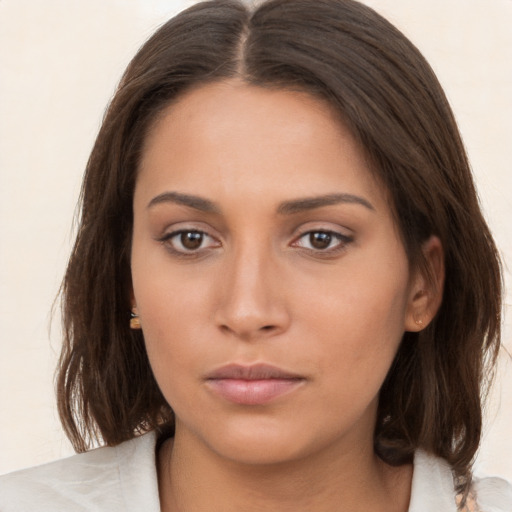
(234, 138)
(251, 107)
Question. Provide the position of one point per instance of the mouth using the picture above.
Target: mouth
(252, 385)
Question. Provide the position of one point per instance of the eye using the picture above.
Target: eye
(322, 241)
(189, 241)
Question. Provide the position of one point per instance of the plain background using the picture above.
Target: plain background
(60, 61)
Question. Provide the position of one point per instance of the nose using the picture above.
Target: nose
(252, 301)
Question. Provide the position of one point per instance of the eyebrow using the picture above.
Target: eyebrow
(285, 208)
(310, 203)
(196, 202)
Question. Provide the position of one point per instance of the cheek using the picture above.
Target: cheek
(172, 346)
(171, 324)
(168, 305)
(359, 324)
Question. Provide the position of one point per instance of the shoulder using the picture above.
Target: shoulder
(109, 478)
(433, 489)
(492, 494)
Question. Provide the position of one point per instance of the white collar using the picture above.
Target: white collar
(432, 485)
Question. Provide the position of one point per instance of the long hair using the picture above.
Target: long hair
(390, 99)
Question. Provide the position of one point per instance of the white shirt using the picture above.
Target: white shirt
(123, 478)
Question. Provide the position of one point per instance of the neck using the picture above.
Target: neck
(192, 478)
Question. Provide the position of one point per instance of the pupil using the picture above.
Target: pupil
(320, 240)
(191, 240)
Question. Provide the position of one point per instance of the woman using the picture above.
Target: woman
(278, 276)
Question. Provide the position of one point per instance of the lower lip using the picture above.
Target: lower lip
(253, 392)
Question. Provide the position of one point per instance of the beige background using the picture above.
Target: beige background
(60, 61)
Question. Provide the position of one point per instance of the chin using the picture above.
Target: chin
(264, 442)
(259, 451)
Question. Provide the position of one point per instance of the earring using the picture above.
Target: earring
(134, 319)
(419, 321)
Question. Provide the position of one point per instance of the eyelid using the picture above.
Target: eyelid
(343, 240)
(335, 234)
(167, 237)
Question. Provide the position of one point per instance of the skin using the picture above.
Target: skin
(259, 288)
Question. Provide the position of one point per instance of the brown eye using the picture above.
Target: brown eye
(323, 243)
(191, 240)
(320, 240)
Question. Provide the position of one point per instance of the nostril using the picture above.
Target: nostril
(267, 327)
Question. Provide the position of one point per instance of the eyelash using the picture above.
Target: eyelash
(184, 252)
(341, 245)
(342, 242)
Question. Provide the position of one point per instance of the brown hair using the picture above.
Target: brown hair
(390, 99)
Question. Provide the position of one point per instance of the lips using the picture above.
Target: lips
(252, 385)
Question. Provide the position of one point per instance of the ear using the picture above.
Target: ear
(134, 318)
(133, 302)
(426, 287)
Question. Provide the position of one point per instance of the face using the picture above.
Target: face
(271, 283)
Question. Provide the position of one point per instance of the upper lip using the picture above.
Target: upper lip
(251, 372)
